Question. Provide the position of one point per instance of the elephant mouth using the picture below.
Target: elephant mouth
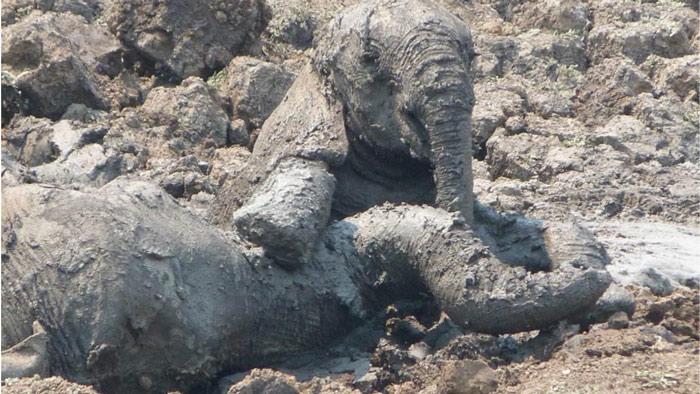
(382, 165)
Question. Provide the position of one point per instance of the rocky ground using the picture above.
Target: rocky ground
(584, 108)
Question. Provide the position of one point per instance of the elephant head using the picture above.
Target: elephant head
(399, 104)
(401, 70)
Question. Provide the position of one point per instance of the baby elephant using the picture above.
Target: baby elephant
(383, 113)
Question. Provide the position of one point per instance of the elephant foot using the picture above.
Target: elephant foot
(288, 212)
(27, 358)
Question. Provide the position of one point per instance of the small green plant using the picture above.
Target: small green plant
(217, 79)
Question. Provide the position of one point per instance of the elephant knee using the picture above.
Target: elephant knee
(288, 212)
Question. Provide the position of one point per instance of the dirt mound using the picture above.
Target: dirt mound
(38, 385)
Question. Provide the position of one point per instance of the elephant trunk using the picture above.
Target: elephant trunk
(413, 246)
(450, 140)
(442, 84)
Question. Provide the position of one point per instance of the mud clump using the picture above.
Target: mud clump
(184, 38)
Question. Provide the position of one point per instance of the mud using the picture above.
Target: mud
(584, 155)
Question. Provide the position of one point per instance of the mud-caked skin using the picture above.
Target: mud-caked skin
(153, 298)
(401, 70)
(385, 106)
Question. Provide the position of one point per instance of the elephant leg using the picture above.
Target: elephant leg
(287, 213)
(474, 287)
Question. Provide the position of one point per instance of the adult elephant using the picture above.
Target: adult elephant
(153, 298)
(383, 113)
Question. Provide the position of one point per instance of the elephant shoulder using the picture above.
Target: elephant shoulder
(308, 123)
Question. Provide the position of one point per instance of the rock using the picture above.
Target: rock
(693, 283)
(618, 321)
(265, 381)
(195, 110)
(36, 384)
(91, 164)
(183, 37)
(83, 114)
(676, 124)
(64, 152)
(369, 381)
(12, 101)
(200, 202)
(519, 163)
(67, 137)
(173, 122)
(638, 39)
(661, 332)
(14, 173)
(524, 156)
(538, 50)
(658, 283)
(676, 313)
(254, 87)
(390, 357)
(620, 12)
(632, 137)
(407, 330)
(60, 60)
(185, 184)
(534, 54)
(680, 328)
(567, 130)
(615, 299)
(294, 25)
(495, 104)
(657, 311)
(496, 53)
(618, 133)
(419, 351)
(608, 89)
(183, 178)
(680, 76)
(550, 104)
(480, 16)
(226, 161)
(238, 134)
(15, 10)
(468, 377)
(28, 140)
(559, 15)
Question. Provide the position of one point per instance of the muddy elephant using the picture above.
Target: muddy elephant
(154, 298)
(382, 114)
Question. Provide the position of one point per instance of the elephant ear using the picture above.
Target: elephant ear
(308, 123)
